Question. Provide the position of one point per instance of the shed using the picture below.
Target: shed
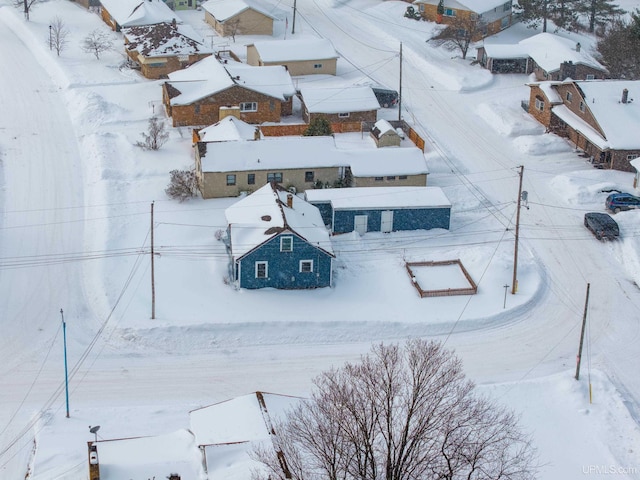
(381, 209)
(239, 17)
(301, 56)
(385, 135)
(278, 240)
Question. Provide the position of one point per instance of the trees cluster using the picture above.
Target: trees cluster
(399, 414)
(619, 48)
(459, 33)
(182, 185)
(573, 15)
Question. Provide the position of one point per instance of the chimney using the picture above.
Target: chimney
(289, 200)
(578, 46)
(625, 95)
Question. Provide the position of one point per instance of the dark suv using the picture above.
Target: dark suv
(601, 225)
(617, 202)
(386, 98)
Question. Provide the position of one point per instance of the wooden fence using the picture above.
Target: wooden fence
(444, 292)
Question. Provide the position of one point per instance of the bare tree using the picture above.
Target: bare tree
(97, 42)
(399, 414)
(232, 29)
(25, 5)
(155, 136)
(183, 185)
(459, 34)
(57, 35)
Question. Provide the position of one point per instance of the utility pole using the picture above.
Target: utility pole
(66, 376)
(400, 87)
(293, 24)
(584, 324)
(514, 283)
(153, 284)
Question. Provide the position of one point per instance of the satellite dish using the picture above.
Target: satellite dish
(94, 429)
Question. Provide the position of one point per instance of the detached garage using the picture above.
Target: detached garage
(381, 209)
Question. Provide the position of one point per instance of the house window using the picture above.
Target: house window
(274, 177)
(196, 109)
(317, 65)
(402, 177)
(272, 105)
(308, 176)
(473, 16)
(231, 179)
(306, 266)
(262, 269)
(462, 33)
(391, 178)
(591, 77)
(421, 7)
(539, 104)
(379, 179)
(504, 23)
(449, 12)
(286, 244)
(582, 107)
(251, 179)
(631, 157)
(343, 115)
(248, 107)
(569, 97)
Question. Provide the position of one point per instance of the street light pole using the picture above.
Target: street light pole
(50, 38)
(66, 376)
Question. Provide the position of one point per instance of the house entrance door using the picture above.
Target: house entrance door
(386, 221)
(360, 224)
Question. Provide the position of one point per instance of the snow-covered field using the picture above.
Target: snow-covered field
(74, 235)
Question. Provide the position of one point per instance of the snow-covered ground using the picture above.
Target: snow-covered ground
(74, 235)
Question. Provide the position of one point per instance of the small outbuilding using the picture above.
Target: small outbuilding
(381, 209)
(385, 135)
(304, 56)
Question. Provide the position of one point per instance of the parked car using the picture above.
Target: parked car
(617, 202)
(386, 98)
(601, 225)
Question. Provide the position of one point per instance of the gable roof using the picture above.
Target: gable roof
(129, 13)
(164, 39)
(381, 127)
(310, 152)
(150, 457)
(209, 76)
(223, 10)
(380, 197)
(339, 99)
(264, 215)
(295, 50)
(229, 129)
(477, 6)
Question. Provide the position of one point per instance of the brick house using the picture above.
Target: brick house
(300, 57)
(339, 104)
(599, 117)
(495, 15)
(239, 17)
(548, 56)
(130, 13)
(197, 95)
(163, 48)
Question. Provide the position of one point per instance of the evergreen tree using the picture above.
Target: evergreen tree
(318, 127)
(599, 12)
(619, 48)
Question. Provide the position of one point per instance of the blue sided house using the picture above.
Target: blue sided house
(276, 239)
(381, 209)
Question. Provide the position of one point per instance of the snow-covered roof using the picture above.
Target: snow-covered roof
(383, 126)
(550, 51)
(477, 6)
(128, 13)
(151, 457)
(619, 121)
(164, 39)
(311, 152)
(229, 129)
(223, 10)
(380, 197)
(209, 76)
(241, 419)
(295, 50)
(339, 99)
(635, 163)
(264, 214)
